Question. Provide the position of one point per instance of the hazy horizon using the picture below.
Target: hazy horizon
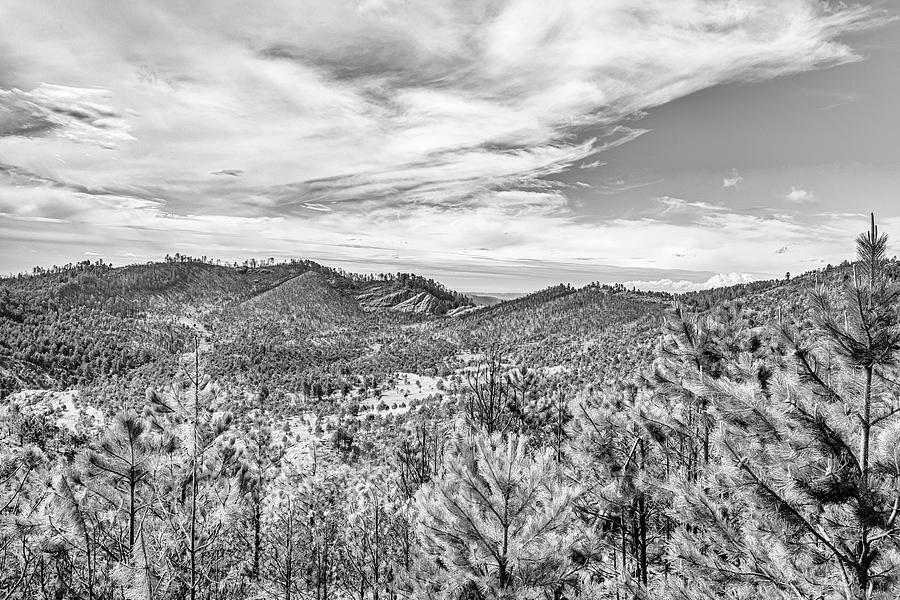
(500, 291)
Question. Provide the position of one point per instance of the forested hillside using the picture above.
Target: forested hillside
(194, 430)
(85, 323)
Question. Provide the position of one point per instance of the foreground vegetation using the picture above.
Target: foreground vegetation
(745, 445)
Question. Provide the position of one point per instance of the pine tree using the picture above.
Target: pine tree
(302, 524)
(118, 469)
(496, 523)
(74, 530)
(800, 499)
(622, 507)
(366, 556)
(258, 462)
(196, 485)
(22, 536)
(283, 560)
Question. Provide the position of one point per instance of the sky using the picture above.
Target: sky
(495, 145)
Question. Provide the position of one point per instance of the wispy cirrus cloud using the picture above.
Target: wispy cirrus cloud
(321, 115)
(671, 204)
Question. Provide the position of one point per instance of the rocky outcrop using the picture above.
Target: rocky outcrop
(421, 303)
(462, 311)
(406, 299)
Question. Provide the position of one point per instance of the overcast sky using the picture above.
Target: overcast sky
(497, 145)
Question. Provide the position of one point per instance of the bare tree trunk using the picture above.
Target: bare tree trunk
(864, 559)
(194, 484)
(289, 557)
(257, 539)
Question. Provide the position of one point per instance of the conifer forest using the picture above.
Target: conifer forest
(190, 430)
(449, 300)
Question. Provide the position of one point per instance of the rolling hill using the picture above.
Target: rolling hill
(89, 322)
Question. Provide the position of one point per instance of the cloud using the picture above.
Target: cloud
(78, 114)
(679, 205)
(836, 99)
(682, 286)
(520, 235)
(800, 196)
(732, 182)
(403, 118)
(592, 165)
(369, 89)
